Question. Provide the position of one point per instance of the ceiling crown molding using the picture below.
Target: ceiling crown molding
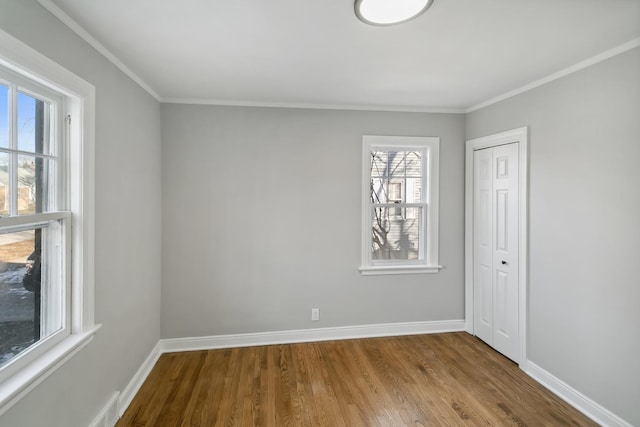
(245, 103)
(84, 35)
(631, 44)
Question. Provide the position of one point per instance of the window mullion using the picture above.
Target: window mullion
(403, 188)
(424, 217)
(33, 219)
(61, 150)
(400, 204)
(27, 153)
(13, 144)
(13, 116)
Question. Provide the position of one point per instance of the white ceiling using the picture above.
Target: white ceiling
(316, 52)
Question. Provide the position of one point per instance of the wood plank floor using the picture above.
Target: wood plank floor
(424, 380)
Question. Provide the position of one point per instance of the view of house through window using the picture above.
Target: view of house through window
(31, 289)
(396, 186)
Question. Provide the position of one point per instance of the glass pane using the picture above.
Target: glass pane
(396, 233)
(33, 126)
(379, 164)
(413, 164)
(30, 304)
(379, 190)
(4, 184)
(395, 191)
(401, 171)
(4, 116)
(19, 285)
(413, 190)
(396, 165)
(32, 184)
(405, 164)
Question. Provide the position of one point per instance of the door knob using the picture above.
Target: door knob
(504, 262)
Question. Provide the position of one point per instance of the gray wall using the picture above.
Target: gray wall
(584, 226)
(127, 255)
(261, 221)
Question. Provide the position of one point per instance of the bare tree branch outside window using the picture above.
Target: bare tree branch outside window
(395, 230)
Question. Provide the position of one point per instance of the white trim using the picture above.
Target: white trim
(249, 103)
(173, 345)
(520, 136)
(108, 415)
(21, 383)
(582, 403)
(82, 202)
(29, 221)
(138, 379)
(378, 270)
(92, 41)
(28, 62)
(632, 44)
(603, 56)
(84, 35)
(310, 335)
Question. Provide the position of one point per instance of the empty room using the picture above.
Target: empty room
(319, 212)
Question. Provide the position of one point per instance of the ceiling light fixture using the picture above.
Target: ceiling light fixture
(389, 12)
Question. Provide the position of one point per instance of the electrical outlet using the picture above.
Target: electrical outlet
(315, 314)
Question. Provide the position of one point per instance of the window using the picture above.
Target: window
(46, 210)
(33, 217)
(400, 205)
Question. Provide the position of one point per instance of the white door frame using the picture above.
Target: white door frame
(519, 136)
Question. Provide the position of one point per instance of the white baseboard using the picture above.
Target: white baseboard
(108, 416)
(309, 335)
(281, 337)
(572, 396)
(138, 379)
(593, 410)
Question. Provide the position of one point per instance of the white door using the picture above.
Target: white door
(495, 246)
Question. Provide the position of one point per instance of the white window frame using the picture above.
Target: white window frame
(79, 105)
(428, 261)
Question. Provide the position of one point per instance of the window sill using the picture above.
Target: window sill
(377, 270)
(18, 385)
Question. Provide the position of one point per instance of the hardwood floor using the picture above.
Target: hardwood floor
(423, 380)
